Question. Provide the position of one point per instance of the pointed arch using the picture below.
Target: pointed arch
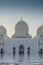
(1, 51)
(21, 49)
(28, 50)
(14, 50)
(41, 51)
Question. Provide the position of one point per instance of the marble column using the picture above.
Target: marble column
(25, 54)
(17, 54)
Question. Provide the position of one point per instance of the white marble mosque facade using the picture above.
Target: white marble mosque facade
(21, 48)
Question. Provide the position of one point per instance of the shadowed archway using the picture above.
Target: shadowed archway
(28, 51)
(21, 49)
(14, 50)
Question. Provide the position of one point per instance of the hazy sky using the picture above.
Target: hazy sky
(11, 12)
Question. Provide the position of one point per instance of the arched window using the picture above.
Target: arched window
(40, 52)
(14, 50)
(21, 49)
(1, 51)
(28, 50)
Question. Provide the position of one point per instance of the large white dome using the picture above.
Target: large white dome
(40, 30)
(3, 30)
(21, 29)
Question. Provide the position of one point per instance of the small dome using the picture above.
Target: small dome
(40, 30)
(3, 30)
(21, 29)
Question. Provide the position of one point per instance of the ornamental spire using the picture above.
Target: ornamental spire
(21, 19)
(41, 24)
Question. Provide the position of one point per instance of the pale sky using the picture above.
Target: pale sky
(11, 12)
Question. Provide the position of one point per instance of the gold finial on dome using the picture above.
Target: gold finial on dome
(21, 18)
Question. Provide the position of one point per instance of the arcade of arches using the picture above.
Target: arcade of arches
(21, 50)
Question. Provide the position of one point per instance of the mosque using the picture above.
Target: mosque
(21, 48)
